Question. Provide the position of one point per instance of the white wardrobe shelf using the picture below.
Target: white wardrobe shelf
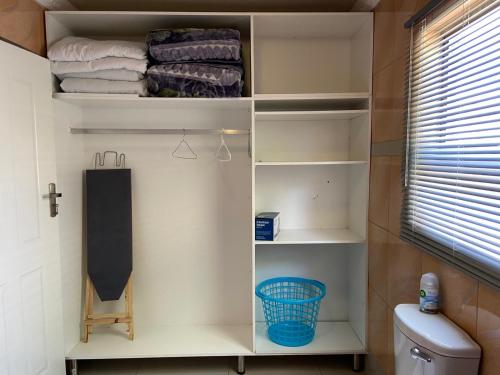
(309, 115)
(320, 106)
(314, 96)
(331, 338)
(166, 341)
(314, 236)
(312, 102)
(311, 163)
(134, 101)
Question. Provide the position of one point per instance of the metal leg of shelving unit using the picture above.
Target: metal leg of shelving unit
(241, 365)
(73, 367)
(358, 362)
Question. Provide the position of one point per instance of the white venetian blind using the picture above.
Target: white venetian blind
(452, 171)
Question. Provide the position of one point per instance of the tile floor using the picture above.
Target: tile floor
(310, 365)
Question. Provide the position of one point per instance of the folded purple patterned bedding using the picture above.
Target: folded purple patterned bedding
(189, 45)
(195, 80)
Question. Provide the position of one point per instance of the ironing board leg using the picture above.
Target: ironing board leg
(241, 365)
(358, 362)
(73, 367)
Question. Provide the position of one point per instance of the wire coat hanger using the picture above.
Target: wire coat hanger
(175, 153)
(223, 149)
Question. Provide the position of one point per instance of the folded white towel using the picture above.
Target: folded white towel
(82, 49)
(111, 74)
(106, 63)
(103, 86)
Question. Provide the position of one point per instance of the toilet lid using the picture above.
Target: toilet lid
(435, 332)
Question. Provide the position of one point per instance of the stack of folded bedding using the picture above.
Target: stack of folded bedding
(99, 66)
(195, 63)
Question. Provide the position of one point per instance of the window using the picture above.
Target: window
(451, 202)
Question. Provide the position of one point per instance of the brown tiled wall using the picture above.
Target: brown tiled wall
(394, 266)
(22, 22)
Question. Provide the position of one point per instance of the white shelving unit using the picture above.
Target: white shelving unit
(314, 236)
(315, 96)
(311, 163)
(309, 115)
(167, 341)
(134, 101)
(331, 338)
(311, 156)
(307, 101)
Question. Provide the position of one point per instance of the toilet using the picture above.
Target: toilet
(431, 344)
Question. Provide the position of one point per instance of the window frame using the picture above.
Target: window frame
(466, 264)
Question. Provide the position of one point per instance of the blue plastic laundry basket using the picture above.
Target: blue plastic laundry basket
(291, 307)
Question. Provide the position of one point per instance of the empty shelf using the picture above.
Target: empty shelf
(314, 236)
(315, 96)
(331, 338)
(166, 341)
(299, 163)
(312, 102)
(309, 115)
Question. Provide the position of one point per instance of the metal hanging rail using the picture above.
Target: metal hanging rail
(160, 131)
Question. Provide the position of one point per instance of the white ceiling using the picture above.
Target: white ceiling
(216, 5)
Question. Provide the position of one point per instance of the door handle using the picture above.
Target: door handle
(416, 353)
(52, 196)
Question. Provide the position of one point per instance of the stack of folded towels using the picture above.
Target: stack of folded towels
(195, 63)
(99, 66)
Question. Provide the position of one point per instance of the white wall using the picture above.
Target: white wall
(307, 197)
(191, 218)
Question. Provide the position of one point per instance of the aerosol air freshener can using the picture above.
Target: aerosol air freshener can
(429, 293)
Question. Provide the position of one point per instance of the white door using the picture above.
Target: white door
(31, 337)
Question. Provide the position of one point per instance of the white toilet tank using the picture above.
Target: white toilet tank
(431, 344)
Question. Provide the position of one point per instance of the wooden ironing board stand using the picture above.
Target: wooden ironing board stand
(91, 319)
